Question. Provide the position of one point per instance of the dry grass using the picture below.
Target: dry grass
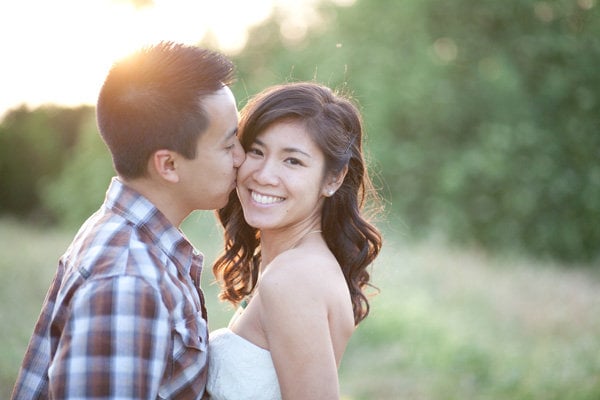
(448, 324)
(457, 324)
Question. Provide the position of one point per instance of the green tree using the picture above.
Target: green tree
(80, 187)
(33, 148)
(483, 115)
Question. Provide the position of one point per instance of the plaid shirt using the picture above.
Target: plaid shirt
(124, 317)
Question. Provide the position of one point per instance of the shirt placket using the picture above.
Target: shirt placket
(196, 275)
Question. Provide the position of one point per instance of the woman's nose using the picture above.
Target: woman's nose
(266, 173)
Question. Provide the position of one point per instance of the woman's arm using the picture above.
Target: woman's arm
(295, 320)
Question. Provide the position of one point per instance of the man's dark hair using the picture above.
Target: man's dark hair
(152, 100)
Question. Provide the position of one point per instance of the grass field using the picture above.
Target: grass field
(447, 324)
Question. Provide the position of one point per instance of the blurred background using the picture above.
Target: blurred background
(483, 135)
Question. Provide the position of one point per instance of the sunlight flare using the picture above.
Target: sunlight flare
(60, 51)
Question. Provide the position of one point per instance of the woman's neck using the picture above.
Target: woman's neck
(273, 243)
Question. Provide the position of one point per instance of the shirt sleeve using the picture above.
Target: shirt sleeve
(115, 342)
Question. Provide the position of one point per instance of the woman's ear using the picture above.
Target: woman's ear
(164, 164)
(334, 182)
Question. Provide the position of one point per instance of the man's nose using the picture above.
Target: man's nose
(239, 155)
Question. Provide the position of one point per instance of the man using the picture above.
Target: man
(125, 317)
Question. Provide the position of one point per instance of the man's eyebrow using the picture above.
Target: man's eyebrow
(232, 133)
(286, 149)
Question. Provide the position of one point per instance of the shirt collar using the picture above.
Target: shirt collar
(144, 215)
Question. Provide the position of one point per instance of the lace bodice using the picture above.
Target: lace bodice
(239, 370)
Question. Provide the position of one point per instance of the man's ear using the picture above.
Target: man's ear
(164, 164)
(334, 182)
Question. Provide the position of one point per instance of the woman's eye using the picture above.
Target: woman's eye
(293, 161)
(255, 152)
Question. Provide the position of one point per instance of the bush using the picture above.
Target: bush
(34, 147)
(482, 114)
(80, 188)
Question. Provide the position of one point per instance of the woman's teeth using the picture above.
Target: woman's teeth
(264, 199)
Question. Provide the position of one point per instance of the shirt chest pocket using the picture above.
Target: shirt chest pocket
(190, 333)
(187, 369)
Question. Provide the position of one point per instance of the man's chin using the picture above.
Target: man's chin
(225, 200)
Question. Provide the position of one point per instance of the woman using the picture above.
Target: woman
(297, 248)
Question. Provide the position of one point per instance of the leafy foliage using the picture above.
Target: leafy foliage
(482, 114)
(482, 118)
(80, 188)
(34, 147)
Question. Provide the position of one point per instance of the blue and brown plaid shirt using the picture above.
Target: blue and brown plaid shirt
(124, 317)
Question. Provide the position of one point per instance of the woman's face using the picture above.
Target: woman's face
(281, 182)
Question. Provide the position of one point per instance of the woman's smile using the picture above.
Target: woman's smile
(265, 199)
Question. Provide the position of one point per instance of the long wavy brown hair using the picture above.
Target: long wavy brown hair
(335, 124)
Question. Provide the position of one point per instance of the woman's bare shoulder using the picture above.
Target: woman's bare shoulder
(301, 274)
(303, 264)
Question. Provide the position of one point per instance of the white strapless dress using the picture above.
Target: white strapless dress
(239, 369)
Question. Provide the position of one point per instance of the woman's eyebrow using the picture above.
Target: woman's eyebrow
(286, 149)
